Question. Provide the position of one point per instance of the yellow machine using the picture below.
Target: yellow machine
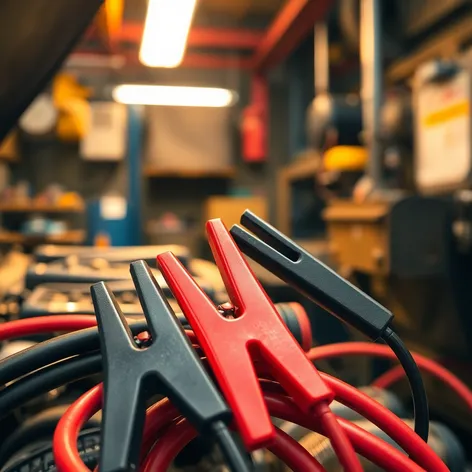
(70, 98)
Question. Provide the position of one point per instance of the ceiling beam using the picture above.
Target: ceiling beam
(217, 38)
(291, 26)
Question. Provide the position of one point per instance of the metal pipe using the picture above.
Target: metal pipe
(199, 37)
(372, 82)
(292, 24)
(321, 61)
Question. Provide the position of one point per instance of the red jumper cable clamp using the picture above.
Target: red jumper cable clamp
(256, 332)
(169, 365)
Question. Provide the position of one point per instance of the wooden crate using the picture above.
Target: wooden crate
(359, 235)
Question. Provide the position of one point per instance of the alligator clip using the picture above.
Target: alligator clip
(170, 361)
(298, 268)
(255, 332)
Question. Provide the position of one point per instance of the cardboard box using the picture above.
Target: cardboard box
(230, 209)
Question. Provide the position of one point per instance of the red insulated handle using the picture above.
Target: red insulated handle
(256, 333)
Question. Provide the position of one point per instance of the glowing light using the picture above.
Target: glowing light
(165, 32)
(135, 94)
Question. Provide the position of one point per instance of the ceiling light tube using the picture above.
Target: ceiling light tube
(135, 94)
(166, 31)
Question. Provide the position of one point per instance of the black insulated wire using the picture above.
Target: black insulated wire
(413, 374)
(48, 378)
(229, 448)
(54, 350)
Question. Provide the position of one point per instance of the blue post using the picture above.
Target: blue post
(135, 136)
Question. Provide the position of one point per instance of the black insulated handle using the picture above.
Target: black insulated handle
(288, 261)
(170, 360)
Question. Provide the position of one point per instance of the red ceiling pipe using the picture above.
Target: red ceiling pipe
(213, 61)
(219, 38)
(254, 128)
(291, 26)
(225, 38)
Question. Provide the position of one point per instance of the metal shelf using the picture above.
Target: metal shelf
(163, 173)
(69, 237)
(32, 207)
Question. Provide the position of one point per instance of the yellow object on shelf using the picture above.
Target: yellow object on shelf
(35, 206)
(102, 240)
(70, 98)
(9, 147)
(70, 200)
(345, 158)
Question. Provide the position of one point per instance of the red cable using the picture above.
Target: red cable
(45, 324)
(413, 445)
(70, 425)
(384, 455)
(383, 418)
(390, 377)
(401, 433)
(170, 444)
(293, 454)
(52, 323)
(371, 447)
(374, 449)
(456, 385)
(168, 414)
(66, 455)
(428, 365)
(68, 459)
(285, 447)
(339, 441)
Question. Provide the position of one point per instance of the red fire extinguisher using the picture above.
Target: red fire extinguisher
(254, 123)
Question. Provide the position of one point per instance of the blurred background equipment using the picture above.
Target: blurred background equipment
(126, 124)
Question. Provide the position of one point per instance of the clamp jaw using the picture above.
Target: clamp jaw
(291, 263)
(249, 338)
(168, 366)
(256, 332)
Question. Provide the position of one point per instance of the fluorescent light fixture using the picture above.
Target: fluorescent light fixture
(131, 94)
(165, 32)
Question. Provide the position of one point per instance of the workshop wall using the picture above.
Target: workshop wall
(187, 196)
(48, 161)
(51, 161)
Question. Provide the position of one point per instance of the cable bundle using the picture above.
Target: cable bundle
(164, 422)
(256, 362)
